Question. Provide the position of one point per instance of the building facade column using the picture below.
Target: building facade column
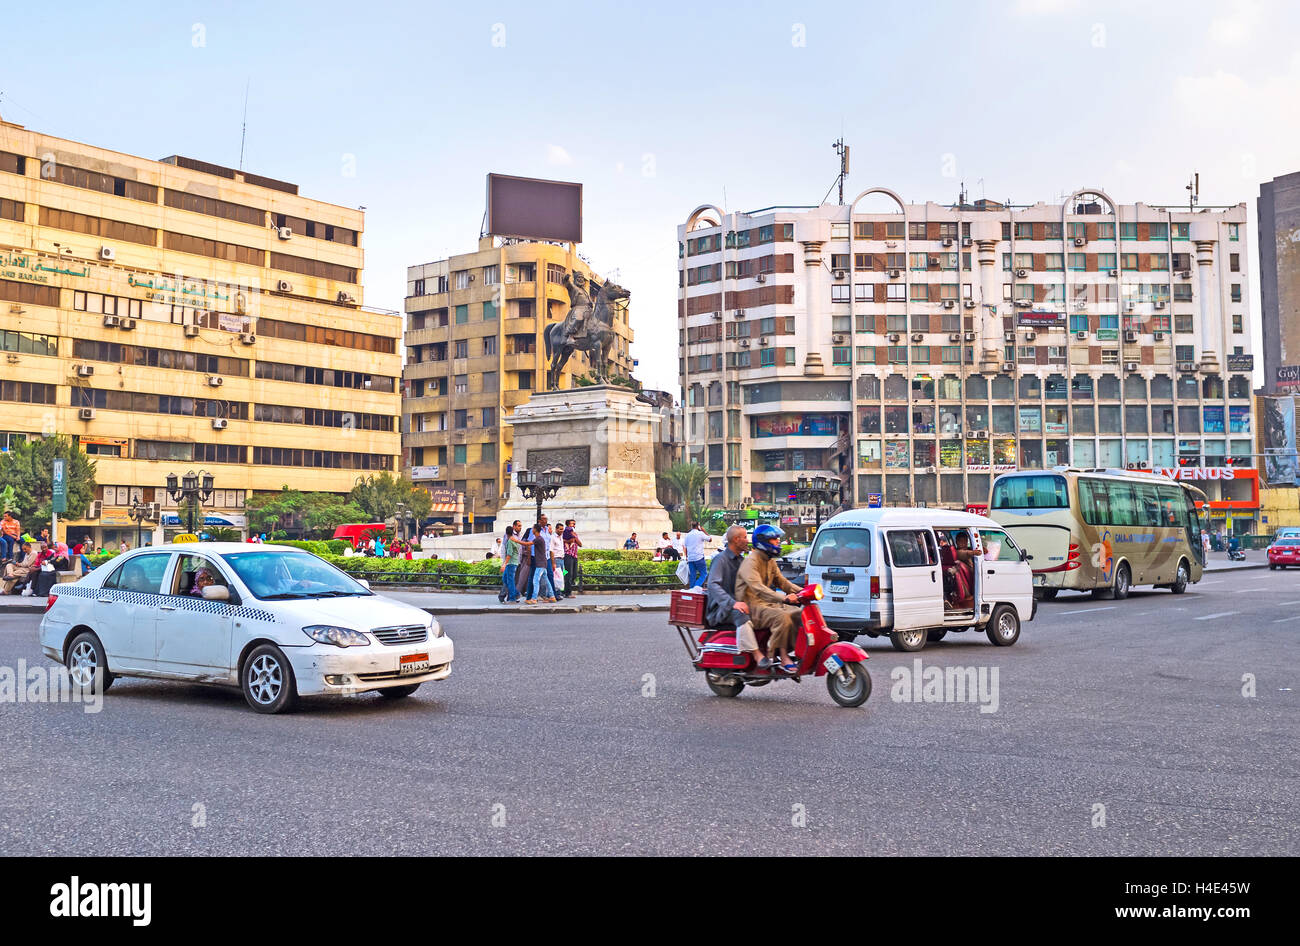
(817, 324)
(990, 326)
(1204, 235)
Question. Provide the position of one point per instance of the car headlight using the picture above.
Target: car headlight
(338, 636)
(435, 629)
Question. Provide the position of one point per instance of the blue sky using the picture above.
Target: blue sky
(657, 109)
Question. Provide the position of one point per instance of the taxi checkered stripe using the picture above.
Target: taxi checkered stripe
(180, 602)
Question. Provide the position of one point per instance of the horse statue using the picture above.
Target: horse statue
(587, 328)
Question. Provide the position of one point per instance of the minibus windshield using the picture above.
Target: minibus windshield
(842, 546)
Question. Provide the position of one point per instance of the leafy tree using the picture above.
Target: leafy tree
(222, 534)
(313, 514)
(689, 480)
(379, 496)
(27, 470)
(324, 512)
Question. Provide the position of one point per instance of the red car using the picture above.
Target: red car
(1284, 552)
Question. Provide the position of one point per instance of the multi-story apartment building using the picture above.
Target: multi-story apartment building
(1279, 281)
(175, 315)
(475, 351)
(916, 350)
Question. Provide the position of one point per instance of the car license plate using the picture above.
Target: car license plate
(839, 587)
(412, 663)
(832, 664)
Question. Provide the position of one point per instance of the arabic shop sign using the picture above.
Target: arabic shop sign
(1107, 334)
(1036, 317)
(1241, 362)
(25, 267)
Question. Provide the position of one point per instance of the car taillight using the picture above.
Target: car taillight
(875, 586)
(49, 602)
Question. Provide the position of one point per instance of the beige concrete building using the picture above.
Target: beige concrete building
(176, 315)
(474, 352)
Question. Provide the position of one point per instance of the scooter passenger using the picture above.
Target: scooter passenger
(757, 583)
(721, 606)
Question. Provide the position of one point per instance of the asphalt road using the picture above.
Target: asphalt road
(543, 742)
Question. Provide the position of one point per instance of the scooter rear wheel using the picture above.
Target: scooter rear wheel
(850, 685)
(716, 684)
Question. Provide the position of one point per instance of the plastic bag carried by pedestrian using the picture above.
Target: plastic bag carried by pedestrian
(683, 572)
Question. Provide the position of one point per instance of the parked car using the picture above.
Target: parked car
(1283, 552)
(277, 622)
(884, 572)
(795, 565)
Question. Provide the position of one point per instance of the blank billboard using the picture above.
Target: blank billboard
(534, 209)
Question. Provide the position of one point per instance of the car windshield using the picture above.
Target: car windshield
(273, 575)
(841, 546)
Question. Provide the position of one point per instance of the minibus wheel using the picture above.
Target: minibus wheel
(936, 635)
(908, 641)
(1004, 626)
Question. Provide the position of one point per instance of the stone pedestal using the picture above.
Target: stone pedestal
(604, 439)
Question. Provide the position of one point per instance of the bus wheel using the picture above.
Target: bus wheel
(1123, 580)
(1180, 582)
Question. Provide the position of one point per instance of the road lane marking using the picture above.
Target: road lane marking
(1088, 610)
(1294, 617)
(1221, 614)
(1288, 602)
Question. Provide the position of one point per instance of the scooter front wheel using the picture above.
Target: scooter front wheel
(850, 685)
(722, 686)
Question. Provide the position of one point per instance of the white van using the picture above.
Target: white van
(883, 571)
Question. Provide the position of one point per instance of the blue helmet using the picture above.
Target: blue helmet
(767, 538)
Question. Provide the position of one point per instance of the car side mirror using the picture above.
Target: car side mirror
(1025, 556)
(216, 593)
(363, 583)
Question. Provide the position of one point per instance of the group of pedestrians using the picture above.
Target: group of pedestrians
(24, 557)
(538, 564)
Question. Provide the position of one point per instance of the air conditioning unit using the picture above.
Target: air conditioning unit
(967, 241)
(1080, 241)
(1009, 366)
(934, 261)
(1081, 336)
(1024, 303)
(1130, 306)
(969, 336)
(155, 511)
(85, 371)
(1186, 366)
(247, 338)
(891, 244)
(126, 325)
(740, 313)
(954, 337)
(284, 233)
(895, 337)
(215, 381)
(950, 303)
(1186, 273)
(348, 297)
(760, 278)
(894, 273)
(1021, 273)
(744, 343)
(969, 303)
(837, 339)
(718, 316)
(1130, 366)
(765, 341)
(110, 321)
(1159, 336)
(94, 509)
(107, 252)
(86, 413)
(1030, 335)
(947, 241)
(191, 331)
(918, 337)
(284, 285)
(219, 423)
(980, 434)
(1130, 336)
(1080, 306)
(839, 274)
(1008, 336)
(1112, 273)
(929, 469)
(1160, 303)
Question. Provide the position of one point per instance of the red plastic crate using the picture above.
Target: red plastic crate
(687, 608)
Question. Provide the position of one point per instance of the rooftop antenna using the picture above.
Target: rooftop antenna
(1194, 191)
(961, 195)
(843, 151)
(243, 134)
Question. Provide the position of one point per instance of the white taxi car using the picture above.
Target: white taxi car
(275, 621)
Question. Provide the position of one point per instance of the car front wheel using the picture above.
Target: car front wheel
(1004, 626)
(267, 680)
(394, 693)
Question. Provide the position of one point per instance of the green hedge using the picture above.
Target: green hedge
(615, 555)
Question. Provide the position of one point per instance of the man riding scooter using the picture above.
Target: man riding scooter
(721, 607)
(772, 610)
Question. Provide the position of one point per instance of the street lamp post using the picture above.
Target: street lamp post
(817, 490)
(187, 488)
(540, 486)
(138, 512)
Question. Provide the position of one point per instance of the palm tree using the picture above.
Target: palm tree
(689, 479)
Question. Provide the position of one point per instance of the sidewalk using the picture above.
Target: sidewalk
(1219, 561)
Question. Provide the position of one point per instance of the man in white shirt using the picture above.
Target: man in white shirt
(555, 543)
(694, 544)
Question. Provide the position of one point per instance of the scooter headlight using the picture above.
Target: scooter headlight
(817, 592)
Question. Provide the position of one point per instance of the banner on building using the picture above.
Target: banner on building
(1281, 462)
(1034, 318)
(1288, 377)
(1241, 362)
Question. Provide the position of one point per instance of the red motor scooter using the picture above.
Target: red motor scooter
(818, 651)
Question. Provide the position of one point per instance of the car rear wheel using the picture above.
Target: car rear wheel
(936, 635)
(394, 693)
(1004, 626)
(267, 680)
(908, 641)
(88, 664)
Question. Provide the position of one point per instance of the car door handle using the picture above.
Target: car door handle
(166, 607)
(992, 571)
(105, 600)
(932, 578)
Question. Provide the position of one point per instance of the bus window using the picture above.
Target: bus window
(1173, 506)
(1031, 492)
(1148, 505)
(1094, 502)
(1124, 509)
